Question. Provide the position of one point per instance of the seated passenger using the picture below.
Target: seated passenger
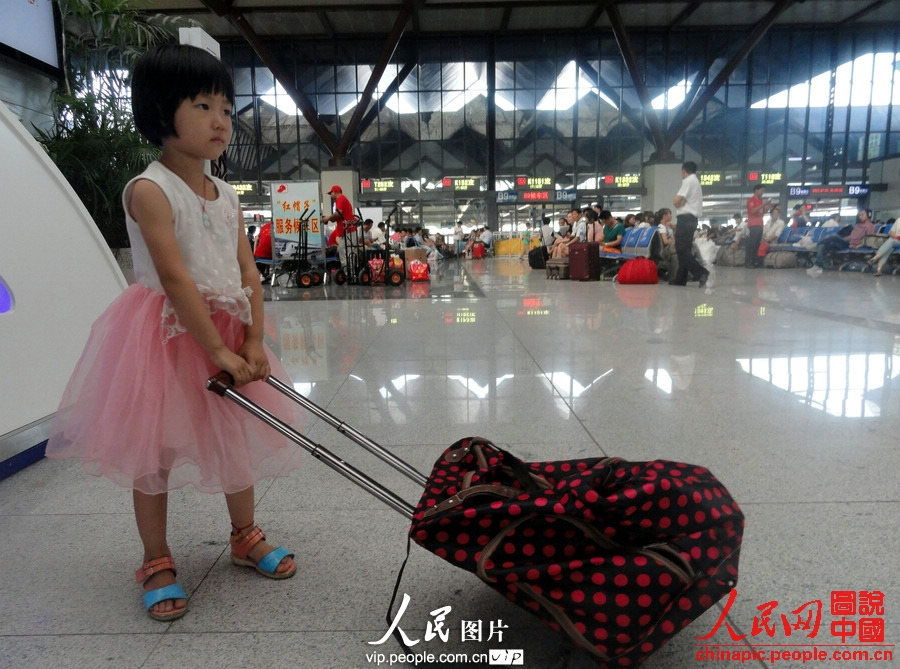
(470, 242)
(424, 241)
(799, 219)
(594, 229)
(885, 250)
(837, 242)
(547, 232)
(442, 246)
(374, 236)
(740, 231)
(666, 231)
(774, 226)
(560, 248)
(613, 231)
(263, 249)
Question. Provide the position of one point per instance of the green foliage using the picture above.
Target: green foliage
(94, 142)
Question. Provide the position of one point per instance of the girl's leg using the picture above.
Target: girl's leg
(150, 512)
(240, 508)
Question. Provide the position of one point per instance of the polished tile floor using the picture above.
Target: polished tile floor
(784, 385)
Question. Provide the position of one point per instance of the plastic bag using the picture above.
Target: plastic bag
(707, 250)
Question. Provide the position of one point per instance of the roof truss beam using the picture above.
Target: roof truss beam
(760, 29)
(622, 39)
(387, 52)
(278, 70)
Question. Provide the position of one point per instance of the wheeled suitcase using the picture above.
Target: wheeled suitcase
(558, 268)
(617, 556)
(537, 258)
(584, 261)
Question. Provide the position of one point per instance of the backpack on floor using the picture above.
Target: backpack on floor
(855, 266)
(537, 258)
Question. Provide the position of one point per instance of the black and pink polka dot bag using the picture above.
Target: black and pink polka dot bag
(619, 556)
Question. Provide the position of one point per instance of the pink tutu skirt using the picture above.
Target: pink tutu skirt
(137, 411)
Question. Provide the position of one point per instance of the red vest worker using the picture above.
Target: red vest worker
(264, 242)
(343, 214)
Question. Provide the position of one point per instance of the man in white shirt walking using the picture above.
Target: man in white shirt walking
(688, 209)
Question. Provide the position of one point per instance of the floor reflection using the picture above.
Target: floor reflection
(842, 385)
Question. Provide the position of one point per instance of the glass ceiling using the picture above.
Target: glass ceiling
(872, 78)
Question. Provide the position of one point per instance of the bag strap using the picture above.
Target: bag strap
(389, 616)
(517, 467)
(485, 489)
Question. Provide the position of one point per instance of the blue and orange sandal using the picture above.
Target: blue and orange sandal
(153, 597)
(242, 544)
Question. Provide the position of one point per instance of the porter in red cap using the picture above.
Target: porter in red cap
(343, 216)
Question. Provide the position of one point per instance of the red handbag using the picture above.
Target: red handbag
(418, 270)
(478, 250)
(638, 270)
(618, 556)
(763, 249)
(376, 268)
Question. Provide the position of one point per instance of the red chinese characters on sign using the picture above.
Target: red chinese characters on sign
(291, 226)
(845, 605)
(293, 205)
(536, 195)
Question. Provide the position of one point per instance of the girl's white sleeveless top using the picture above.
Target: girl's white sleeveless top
(209, 252)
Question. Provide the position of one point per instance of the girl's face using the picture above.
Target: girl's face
(203, 125)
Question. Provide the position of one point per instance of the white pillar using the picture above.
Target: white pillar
(347, 179)
(661, 181)
(885, 204)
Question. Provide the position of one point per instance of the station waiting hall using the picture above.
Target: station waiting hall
(462, 124)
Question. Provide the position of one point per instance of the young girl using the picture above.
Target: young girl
(135, 409)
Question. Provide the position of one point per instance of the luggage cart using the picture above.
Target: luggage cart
(393, 276)
(295, 259)
(353, 267)
(307, 272)
(570, 529)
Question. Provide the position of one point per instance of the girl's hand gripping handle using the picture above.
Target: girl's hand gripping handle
(220, 383)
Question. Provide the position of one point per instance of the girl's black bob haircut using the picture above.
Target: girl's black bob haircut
(166, 75)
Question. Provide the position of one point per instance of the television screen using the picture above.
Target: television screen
(28, 29)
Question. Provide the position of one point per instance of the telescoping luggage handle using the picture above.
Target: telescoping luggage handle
(222, 384)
